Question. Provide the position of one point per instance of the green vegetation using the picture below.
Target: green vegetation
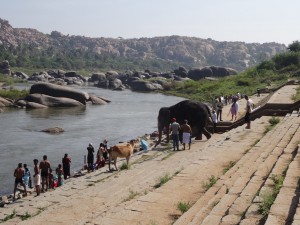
(25, 216)
(211, 182)
(124, 166)
(269, 197)
(13, 93)
(24, 56)
(162, 180)
(273, 121)
(228, 167)
(10, 216)
(183, 206)
(132, 195)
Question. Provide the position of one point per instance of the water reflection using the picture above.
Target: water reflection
(56, 112)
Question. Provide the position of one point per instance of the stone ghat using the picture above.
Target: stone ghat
(242, 163)
(239, 194)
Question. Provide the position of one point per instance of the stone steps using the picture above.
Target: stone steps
(229, 200)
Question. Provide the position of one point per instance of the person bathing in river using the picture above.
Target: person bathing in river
(18, 174)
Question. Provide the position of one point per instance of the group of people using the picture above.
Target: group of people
(217, 110)
(186, 130)
(101, 157)
(42, 175)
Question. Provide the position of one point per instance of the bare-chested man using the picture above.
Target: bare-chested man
(37, 177)
(44, 167)
(18, 174)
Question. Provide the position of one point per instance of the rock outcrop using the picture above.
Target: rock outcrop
(187, 51)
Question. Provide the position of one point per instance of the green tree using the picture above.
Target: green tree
(294, 47)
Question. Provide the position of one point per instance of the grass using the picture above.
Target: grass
(25, 216)
(269, 197)
(228, 167)
(124, 166)
(13, 93)
(272, 121)
(296, 97)
(168, 155)
(211, 182)
(183, 206)
(10, 216)
(132, 195)
(162, 180)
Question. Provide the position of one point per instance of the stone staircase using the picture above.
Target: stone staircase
(237, 195)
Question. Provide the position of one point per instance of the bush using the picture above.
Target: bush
(274, 120)
(266, 65)
(286, 59)
(183, 206)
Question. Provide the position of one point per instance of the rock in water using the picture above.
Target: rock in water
(59, 91)
(53, 130)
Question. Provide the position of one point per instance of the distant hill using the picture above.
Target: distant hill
(31, 48)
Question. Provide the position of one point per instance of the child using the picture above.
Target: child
(214, 120)
(26, 176)
(51, 179)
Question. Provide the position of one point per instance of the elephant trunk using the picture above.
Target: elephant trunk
(160, 128)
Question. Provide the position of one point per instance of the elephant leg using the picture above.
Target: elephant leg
(206, 133)
(199, 136)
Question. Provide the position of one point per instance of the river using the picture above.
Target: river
(129, 115)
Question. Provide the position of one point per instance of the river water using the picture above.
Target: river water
(129, 115)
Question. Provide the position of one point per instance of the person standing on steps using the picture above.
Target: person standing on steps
(214, 120)
(219, 109)
(36, 177)
(249, 107)
(186, 134)
(66, 162)
(234, 109)
(174, 127)
(44, 167)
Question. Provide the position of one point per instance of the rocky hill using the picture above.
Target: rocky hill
(169, 50)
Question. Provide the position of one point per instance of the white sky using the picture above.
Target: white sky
(222, 20)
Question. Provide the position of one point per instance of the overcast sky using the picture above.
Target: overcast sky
(222, 20)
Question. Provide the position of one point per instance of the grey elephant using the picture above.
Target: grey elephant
(197, 113)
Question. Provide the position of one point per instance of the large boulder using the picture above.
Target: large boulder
(210, 71)
(97, 100)
(115, 83)
(97, 77)
(51, 101)
(30, 105)
(5, 102)
(59, 91)
(145, 86)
